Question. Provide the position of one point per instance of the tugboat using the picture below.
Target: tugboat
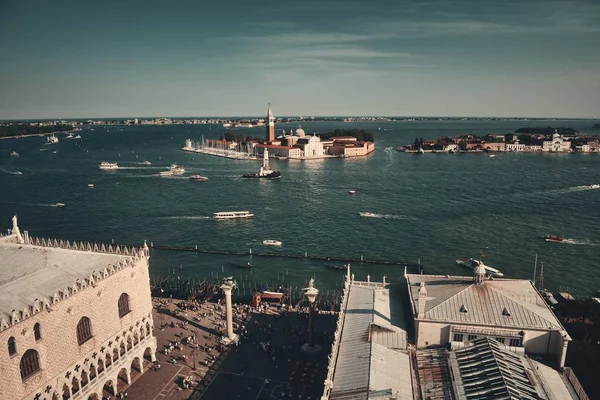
(265, 171)
(550, 238)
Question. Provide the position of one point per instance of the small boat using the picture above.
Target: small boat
(243, 266)
(271, 242)
(265, 171)
(69, 136)
(472, 263)
(369, 214)
(550, 238)
(198, 178)
(232, 215)
(90, 185)
(108, 165)
(78, 136)
(52, 139)
(147, 163)
(338, 267)
(492, 155)
(17, 173)
(60, 205)
(14, 153)
(352, 191)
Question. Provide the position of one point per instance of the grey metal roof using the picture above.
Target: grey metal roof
(499, 302)
(29, 272)
(485, 370)
(372, 362)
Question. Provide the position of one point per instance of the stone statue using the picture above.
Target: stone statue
(384, 279)
(311, 283)
(368, 278)
(352, 277)
(15, 227)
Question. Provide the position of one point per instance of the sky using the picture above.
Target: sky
(130, 58)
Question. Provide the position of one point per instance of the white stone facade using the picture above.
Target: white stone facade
(119, 345)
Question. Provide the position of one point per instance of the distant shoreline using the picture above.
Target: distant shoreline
(34, 134)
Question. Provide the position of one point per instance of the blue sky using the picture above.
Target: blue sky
(229, 58)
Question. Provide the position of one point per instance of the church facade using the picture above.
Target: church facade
(75, 318)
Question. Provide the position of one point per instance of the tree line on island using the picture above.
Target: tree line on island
(23, 129)
(359, 134)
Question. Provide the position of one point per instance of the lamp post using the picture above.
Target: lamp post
(311, 294)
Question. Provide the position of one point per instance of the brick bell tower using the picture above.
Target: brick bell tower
(270, 125)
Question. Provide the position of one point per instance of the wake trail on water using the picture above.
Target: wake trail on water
(580, 242)
(383, 216)
(192, 217)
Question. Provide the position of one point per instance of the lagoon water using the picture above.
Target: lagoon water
(436, 207)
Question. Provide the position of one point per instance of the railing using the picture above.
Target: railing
(568, 372)
(335, 348)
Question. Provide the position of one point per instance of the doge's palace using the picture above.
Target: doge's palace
(75, 318)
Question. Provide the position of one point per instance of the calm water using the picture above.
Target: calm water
(434, 207)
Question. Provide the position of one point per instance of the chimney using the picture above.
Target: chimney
(422, 301)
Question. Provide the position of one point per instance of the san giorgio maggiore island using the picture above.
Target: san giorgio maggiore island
(292, 145)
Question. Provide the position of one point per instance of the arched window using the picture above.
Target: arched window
(124, 305)
(84, 330)
(12, 346)
(30, 364)
(37, 331)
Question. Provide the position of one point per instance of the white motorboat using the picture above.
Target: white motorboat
(352, 191)
(147, 163)
(14, 153)
(175, 170)
(369, 214)
(232, 215)
(90, 185)
(60, 205)
(271, 242)
(69, 136)
(472, 264)
(108, 165)
(78, 136)
(52, 139)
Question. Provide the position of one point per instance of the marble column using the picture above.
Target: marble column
(227, 287)
(311, 294)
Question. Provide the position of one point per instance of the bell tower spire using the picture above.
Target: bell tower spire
(270, 125)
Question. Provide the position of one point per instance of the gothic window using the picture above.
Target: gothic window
(30, 364)
(84, 330)
(124, 305)
(37, 332)
(12, 346)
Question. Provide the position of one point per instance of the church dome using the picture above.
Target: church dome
(300, 132)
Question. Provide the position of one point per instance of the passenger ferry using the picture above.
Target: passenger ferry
(175, 170)
(108, 165)
(232, 215)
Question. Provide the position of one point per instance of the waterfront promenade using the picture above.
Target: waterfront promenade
(267, 363)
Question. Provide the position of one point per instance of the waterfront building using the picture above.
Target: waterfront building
(270, 126)
(349, 147)
(455, 310)
(556, 144)
(75, 318)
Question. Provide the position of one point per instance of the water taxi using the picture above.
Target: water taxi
(271, 242)
(472, 263)
(352, 191)
(108, 165)
(232, 215)
(147, 163)
(175, 170)
(60, 205)
(198, 178)
(90, 185)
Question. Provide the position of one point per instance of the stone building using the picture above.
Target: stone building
(75, 318)
(456, 310)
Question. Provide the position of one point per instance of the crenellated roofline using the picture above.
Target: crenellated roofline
(133, 254)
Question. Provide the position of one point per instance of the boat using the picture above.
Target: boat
(244, 266)
(199, 178)
(52, 139)
(108, 165)
(269, 295)
(338, 267)
(90, 185)
(232, 215)
(60, 205)
(596, 186)
(271, 242)
(352, 191)
(78, 136)
(69, 136)
(147, 163)
(369, 214)
(175, 170)
(265, 171)
(14, 153)
(17, 173)
(472, 263)
(550, 238)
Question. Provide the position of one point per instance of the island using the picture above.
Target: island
(522, 140)
(12, 130)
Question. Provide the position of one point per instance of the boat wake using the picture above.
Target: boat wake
(192, 217)
(579, 242)
(384, 216)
